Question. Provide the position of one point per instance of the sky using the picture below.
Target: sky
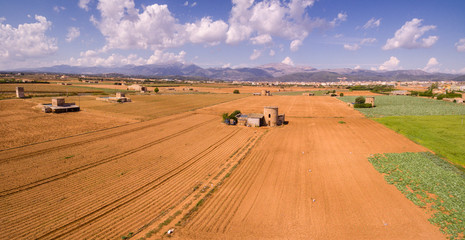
(363, 34)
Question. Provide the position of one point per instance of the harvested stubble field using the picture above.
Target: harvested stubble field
(309, 179)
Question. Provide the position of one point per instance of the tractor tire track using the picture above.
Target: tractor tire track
(137, 193)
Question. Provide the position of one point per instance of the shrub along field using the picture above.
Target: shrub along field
(430, 183)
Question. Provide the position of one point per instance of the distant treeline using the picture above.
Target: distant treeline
(12, 80)
(372, 88)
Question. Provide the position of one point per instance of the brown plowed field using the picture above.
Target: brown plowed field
(105, 184)
(131, 178)
(311, 180)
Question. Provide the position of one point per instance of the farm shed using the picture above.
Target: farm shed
(255, 120)
(137, 87)
(265, 93)
(19, 92)
(120, 97)
(59, 106)
(370, 100)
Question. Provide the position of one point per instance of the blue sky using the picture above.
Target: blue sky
(377, 35)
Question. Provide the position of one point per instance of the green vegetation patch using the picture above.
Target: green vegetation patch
(408, 106)
(429, 182)
(445, 135)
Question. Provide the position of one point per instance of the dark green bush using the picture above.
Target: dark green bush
(360, 99)
(236, 91)
(341, 94)
(362, 105)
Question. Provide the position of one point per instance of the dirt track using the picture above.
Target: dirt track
(105, 184)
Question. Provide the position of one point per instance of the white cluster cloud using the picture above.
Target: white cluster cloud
(372, 23)
(207, 31)
(73, 33)
(391, 64)
(357, 46)
(432, 65)
(155, 28)
(27, 40)
(272, 52)
(352, 47)
(261, 39)
(91, 58)
(166, 57)
(288, 61)
(460, 45)
(58, 8)
(265, 19)
(84, 4)
(256, 54)
(409, 36)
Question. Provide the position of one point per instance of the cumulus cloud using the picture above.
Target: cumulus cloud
(460, 45)
(256, 54)
(367, 41)
(84, 4)
(73, 33)
(261, 39)
(357, 46)
(27, 40)
(92, 58)
(207, 31)
(372, 23)
(391, 64)
(166, 57)
(351, 47)
(288, 20)
(432, 65)
(58, 8)
(294, 46)
(409, 36)
(288, 61)
(154, 27)
(271, 53)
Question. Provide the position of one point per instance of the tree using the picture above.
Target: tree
(156, 90)
(236, 91)
(225, 116)
(341, 94)
(360, 99)
(233, 115)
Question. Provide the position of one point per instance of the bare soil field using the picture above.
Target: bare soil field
(21, 123)
(309, 179)
(108, 183)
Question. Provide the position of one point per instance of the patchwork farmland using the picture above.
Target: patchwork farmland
(189, 172)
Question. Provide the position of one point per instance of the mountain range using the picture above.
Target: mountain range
(269, 72)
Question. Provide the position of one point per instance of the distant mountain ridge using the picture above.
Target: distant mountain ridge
(269, 72)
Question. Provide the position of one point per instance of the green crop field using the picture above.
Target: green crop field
(408, 106)
(430, 183)
(445, 135)
(435, 124)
